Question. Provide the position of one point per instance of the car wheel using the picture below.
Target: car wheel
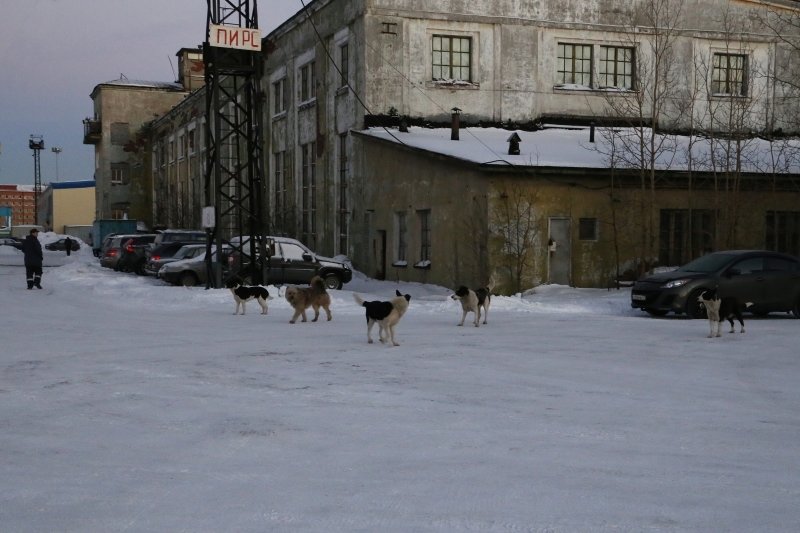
(332, 281)
(140, 271)
(188, 279)
(656, 312)
(796, 308)
(695, 309)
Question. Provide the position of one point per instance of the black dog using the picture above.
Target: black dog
(386, 314)
(721, 309)
(243, 293)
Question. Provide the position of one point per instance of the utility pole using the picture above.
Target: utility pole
(56, 150)
(36, 143)
(234, 179)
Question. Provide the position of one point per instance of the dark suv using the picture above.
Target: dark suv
(770, 280)
(291, 262)
(132, 253)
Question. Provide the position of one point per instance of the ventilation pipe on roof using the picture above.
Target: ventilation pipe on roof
(591, 132)
(513, 144)
(455, 123)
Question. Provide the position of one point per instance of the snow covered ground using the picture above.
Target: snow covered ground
(128, 405)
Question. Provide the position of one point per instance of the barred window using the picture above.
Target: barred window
(424, 234)
(616, 67)
(401, 240)
(452, 58)
(728, 75)
(574, 64)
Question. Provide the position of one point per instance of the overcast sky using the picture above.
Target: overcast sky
(54, 52)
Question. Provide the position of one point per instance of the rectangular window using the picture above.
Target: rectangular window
(401, 241)
(574, 64)
(119, 173)
(181, 145)
(452, 58)
(783, 232)
(280, 190)
(192, 136)
(307, 82)
(344, 211)
(685, 235)
(728, 75)
(616, 67)
(309, 196)
(344, 64)
(424, 234)
(587, 229)
(279, 95)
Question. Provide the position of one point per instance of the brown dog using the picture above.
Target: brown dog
(315, 295)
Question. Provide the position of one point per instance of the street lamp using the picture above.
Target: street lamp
(56, 150)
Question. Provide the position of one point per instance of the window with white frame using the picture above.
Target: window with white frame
(401, 238)
(309, 196)
(615, 67)
(307, 82)
(279, 96)
(119, 173)
(728, 74)
(451, 58)
(574, 64)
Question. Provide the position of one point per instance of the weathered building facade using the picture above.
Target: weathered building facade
(700, 68)
(121, 109)
(704, 68)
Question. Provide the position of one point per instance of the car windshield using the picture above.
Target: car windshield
(707, 263)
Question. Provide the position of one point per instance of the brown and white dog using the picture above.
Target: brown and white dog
(244, 293)
(721, 309)
(385, 314)
(315, 296)
(472, 301)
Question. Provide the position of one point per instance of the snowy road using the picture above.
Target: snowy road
(126, 405)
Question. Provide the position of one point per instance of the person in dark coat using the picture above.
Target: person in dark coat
(68, 245)
(32, 249)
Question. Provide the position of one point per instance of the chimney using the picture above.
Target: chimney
(455, 123)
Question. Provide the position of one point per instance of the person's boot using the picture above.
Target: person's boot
(37, 283)
(30, 284)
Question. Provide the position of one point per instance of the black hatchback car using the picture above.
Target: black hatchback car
(770, 280)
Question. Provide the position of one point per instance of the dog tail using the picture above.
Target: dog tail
(317, 283)
(748, 305)
(492, 283)
(359, 300)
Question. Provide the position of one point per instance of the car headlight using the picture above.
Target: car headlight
(675, 283)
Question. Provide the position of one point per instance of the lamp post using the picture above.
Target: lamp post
(56, 150)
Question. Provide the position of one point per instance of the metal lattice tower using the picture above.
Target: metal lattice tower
(234, 173)
(36, 143)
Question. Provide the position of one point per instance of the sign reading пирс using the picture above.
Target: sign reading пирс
(235, 37)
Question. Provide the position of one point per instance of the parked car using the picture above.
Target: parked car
(178, 235)
(61, 245)
(167, 253)
(113, 249)
(292, 262)
(11, 241)
(132, 255)
(770, 280)
(193, 271)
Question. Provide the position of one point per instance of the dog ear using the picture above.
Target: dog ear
(397, 292)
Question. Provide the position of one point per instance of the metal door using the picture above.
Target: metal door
(559, 247)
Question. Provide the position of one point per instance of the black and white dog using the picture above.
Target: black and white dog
(721, 309)
(244, 293)
(386, 314)
(472, 301)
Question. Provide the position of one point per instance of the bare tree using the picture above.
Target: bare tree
(513, 223)
(652, 32)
